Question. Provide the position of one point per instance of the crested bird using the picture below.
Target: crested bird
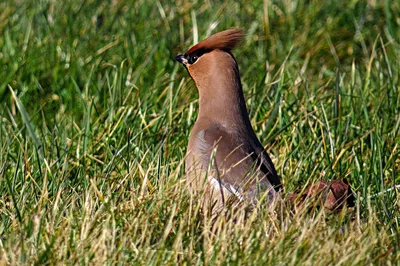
(224, 155)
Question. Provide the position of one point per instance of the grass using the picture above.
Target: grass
(95, 116)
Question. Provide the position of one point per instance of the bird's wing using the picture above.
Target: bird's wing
(266, 165)
(233, 161)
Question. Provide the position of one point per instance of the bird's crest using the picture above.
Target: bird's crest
(224, 40)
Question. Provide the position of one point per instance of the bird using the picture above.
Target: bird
(224, 159)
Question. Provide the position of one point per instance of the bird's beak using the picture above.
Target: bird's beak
(181, 59)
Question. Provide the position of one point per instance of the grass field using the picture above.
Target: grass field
(95, 116)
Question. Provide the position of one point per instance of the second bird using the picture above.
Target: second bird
(224, 155)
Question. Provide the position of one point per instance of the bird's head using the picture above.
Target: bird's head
(211, 55)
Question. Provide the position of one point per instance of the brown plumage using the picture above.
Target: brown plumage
(224, 40)
(224, 153)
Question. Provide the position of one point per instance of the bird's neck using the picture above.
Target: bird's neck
(223, 101)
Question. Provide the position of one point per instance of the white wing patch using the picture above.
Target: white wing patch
(236, 192)
(214, 182)
(231, 189)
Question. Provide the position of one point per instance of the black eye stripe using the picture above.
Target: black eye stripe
(193, 57)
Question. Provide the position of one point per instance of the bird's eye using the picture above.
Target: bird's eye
(193, 59)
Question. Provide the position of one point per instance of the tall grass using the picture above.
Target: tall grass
(95, 116)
